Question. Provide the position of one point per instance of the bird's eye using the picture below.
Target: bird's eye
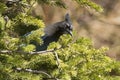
(69, 27)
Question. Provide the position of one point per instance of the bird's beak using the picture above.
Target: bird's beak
(70, 32)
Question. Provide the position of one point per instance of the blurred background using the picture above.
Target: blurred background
(102, 28)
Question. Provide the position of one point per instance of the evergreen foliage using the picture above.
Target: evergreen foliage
(67, 59)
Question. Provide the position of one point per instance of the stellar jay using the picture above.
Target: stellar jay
(53, 33)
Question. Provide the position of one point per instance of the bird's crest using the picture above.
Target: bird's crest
(67, 17)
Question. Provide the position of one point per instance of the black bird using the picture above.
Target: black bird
(53, 32)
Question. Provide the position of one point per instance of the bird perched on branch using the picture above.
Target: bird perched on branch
(53, 33)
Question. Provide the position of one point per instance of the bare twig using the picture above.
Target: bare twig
(36, 72)
(5, 52)
(32, 53)
(33, 71)
(38, 52)
(56, 56)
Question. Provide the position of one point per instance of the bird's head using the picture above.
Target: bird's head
(59, 28)
(66, 27)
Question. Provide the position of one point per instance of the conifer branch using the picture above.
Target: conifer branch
(57, 59)
(32, 53)
(5, 52)
(10, 52)
(35, 72)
